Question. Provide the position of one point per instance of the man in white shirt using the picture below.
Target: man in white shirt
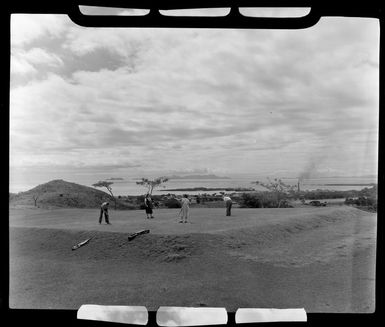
(229, 203)
(185, 202)
(104, 209)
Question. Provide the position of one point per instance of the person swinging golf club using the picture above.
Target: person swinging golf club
(185, 209)
(104, 210)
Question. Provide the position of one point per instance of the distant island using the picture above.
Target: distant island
(115, 179)
(357, 176)
(191, 177)
(329, 177)
(195, 189)
(350, 184)
(197, 177)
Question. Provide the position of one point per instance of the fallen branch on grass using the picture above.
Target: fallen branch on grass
(133, 235)
(75, 247)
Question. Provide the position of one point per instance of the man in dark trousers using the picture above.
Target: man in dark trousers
(229, 203)
(104, 209)
(148, 205)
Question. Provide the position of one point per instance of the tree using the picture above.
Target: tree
(281, 190)
(35, 197)
(107, 185)
(151, 184)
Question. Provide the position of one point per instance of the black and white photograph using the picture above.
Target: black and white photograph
(188, 167)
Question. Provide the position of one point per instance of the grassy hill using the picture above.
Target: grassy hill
(62, 194)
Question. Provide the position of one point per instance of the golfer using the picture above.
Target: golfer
(148, 205)
(229, 204)
(185, 208)
(104, 210)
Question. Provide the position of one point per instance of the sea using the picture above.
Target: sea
(332, 183)
(129, 186)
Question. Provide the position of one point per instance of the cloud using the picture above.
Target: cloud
(25, 28)
(245, 99)
(33, 61)
(21, 66)
(41, 56)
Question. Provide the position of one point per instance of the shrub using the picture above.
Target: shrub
(250, 201)
(172, 203)
(363, 201)
(140, 199)
(262, 200)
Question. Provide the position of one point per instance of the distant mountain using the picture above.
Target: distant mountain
(59, 193)
(197, 177)
(337, 177)
(357, 176)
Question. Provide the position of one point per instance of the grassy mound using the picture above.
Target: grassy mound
(62, 194)
(56, 243)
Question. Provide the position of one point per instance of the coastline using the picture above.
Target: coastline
(246, 189)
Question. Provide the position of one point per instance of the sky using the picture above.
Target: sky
(101, 102)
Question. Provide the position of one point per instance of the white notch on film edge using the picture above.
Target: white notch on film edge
(186, 316)
(112, 11)
(250, 315)
(136, 315)
(191, 316)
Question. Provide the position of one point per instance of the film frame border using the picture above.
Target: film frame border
(319, 9)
